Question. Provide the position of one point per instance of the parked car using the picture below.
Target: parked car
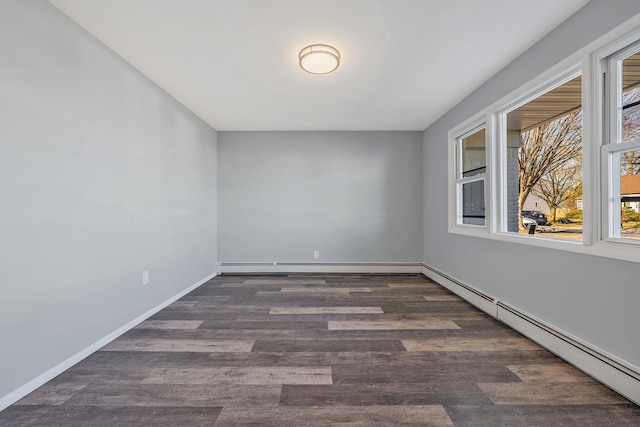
(527, 222)
(539, 217)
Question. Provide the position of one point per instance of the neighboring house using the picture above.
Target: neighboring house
(630, 191)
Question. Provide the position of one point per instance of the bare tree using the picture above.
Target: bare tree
(630, 160)
(546, 148)
(559, 185)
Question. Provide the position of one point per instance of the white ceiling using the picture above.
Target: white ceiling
(404, 63)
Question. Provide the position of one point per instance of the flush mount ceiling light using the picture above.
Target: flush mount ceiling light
(319, 59)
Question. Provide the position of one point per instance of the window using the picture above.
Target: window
(470, 170)
(621, 150)
(564, 144)
(543, 156)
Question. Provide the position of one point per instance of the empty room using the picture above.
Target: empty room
(319, 212)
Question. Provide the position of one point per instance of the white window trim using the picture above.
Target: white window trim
(611, 191)
(455, 197)
(589, 58)
(605, 62)
(500, 115)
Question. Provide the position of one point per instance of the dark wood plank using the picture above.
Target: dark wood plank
(108, 416)
(420, 373)
(190, 395)
(444, 393)
(369, 416)
(327, 345)
(544, 416)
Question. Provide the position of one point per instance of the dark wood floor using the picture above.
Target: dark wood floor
(320, 350)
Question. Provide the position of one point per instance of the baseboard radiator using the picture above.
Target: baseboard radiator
(612, 371)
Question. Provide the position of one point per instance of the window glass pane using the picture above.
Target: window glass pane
(629, 185)
(544, 163)
(473, 203)
(631, 98)
(474, 160)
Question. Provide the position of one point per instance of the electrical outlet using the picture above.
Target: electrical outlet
(145, 277)
(316, 254)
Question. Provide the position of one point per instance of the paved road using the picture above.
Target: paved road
(562, 231)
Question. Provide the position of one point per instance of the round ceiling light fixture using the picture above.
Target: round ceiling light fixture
(319, 59)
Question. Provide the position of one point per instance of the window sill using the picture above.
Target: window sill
(623, 251)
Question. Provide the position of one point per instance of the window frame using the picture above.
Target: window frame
(456, 182)
(588, 59)
(610, 72)
(501, 178)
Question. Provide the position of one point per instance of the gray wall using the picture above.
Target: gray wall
(102, 176)
(593, 298)
(354, 196)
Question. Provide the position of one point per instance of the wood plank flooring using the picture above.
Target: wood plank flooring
(322, 350)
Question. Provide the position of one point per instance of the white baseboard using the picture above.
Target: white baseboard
(43, 378)
(342, 267)
(615, 373)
